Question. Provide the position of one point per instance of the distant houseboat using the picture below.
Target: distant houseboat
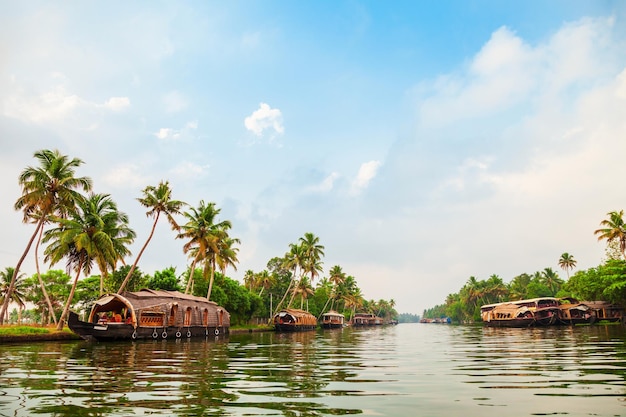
(366, 319)
(294, 320)
(332, 320)
(150, 314)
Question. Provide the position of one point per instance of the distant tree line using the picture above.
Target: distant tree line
(605, 282)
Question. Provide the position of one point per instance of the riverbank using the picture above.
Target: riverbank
(26, 334)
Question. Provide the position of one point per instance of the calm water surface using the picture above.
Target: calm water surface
(405, 370)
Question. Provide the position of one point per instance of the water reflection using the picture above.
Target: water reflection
(437, 369)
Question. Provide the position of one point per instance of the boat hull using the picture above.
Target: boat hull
(332, 325)
(121, 331)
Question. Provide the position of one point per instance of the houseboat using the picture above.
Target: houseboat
(332, 320)
(366, 319)
(522, 313)
(294, 320)
(607, 312)
(574, 312)
(151, 314)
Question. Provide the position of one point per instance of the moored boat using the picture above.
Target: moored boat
(522, 313)
(366, 319)
(332, 320)
(574, 312)
(294, 320)
(151, 314)
(606, 312)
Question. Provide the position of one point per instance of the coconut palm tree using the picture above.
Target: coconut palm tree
(265, 280)
(567, 263)
(304, 290)
(551, 279)
(158, 200)
(81, 238)
(208, 240)
(250, 280)
(47, 190)
(613, 229)
(312, 253)
(292, 260)
(17, 295)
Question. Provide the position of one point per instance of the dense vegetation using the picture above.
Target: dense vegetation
(605, 282)
(87, 231)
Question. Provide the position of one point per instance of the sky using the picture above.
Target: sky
(422, 142)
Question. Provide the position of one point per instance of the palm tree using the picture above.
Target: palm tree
(551, 279)
(46, 190)
(17, 296)
(291, 261)
(250, 280)
(208, 241)
(82, 238)
(264, 280)
(158, 200)
(567, 263)
(303, 289)
(310, 261)
(614, 230)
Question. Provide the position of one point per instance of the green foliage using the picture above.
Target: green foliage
(57, 285)
(136, 282)
(165, 280)
(408, 318)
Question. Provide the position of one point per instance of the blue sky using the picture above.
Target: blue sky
(422, 142)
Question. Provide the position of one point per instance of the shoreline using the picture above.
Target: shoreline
(64, 335)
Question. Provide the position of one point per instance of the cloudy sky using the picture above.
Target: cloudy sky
(422, 142)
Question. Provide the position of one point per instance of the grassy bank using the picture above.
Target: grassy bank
(20, 334)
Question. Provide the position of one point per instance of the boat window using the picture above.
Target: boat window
(187, 317)
(205, 317)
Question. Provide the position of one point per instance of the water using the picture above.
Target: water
(405, 370)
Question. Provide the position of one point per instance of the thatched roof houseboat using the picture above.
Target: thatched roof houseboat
(151, 314)
(294, 320)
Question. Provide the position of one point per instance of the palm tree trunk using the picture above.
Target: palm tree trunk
(293, 293)
(132, 268)
(192, 270)
(41, 284)
(282, 300)
(208, 294)
(66, 309)
(7, 297)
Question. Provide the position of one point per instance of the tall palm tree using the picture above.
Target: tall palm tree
(567, 263)
(310, 262)
(208, 240)
(47, 190)
(17, 296)
(81, 238)
(114, 224)
(613, 229)
(313, 253)
(292, 260)
(158, 200)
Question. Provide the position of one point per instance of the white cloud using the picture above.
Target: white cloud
(49, 106)
(166, 133)
(117, 103)
(366, 173)
(265, 118)
(326, 185)
(126, 176)
(169, 134)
